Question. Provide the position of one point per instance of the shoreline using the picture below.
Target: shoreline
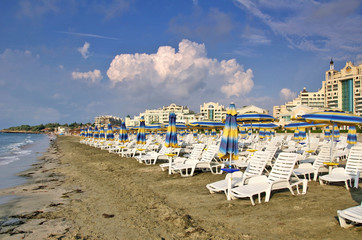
(80, 192)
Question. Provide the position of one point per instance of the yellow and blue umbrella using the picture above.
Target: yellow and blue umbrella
(336, 133)
(96, 133)
(333, 117)
(296, 134)
(213, 132)
(327, 133)
(262, 133)
(267, 134)
(242, 132)
(123, 135)
(302, 134)
(352, 135)
(229, 142)
(102, 134)
(81, 133)
(141, 134)
(207, 124)
(195, 132)
(109, 133)
(171, 135)
(254, 117)
(259, 125)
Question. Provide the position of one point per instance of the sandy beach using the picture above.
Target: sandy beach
(79, 192)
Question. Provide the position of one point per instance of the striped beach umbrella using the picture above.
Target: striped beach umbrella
(109, 133)
(333, 117)
(267, 134)
(327, 133)
(254, 117)
(352, 135)
(336, 133)
(229, 142)
(296, 134)
(242, 132)
(259, 125)
(141, 134)
(262, 133)
(195, 132)
(213, 132)
(171, 135)
(95, 133)
(81, 133)
(102, 134)
(302, 134)
(207, 124)
(123, 135)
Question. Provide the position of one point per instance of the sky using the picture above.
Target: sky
(69, 61)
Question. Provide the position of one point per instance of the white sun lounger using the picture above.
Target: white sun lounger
(352, 214)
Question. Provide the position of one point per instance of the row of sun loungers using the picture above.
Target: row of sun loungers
(280, 163)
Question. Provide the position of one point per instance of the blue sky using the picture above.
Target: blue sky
(67, 60)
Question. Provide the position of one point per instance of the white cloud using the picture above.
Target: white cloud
(61, 66)
(181, 74)
(84, 50)
(286, 94)
(93, 77)
(34, 9)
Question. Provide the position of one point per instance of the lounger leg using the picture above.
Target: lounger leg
(267, 195)
(342, 221)
(346, 182)
(259, 198)
(356, 180)
(252, 200)
(305, 186)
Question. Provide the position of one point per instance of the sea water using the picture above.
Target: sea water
(18, 151)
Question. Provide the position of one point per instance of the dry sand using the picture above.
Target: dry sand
(80, 192)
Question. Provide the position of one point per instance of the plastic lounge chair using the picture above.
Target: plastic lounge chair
(151, 158)
(194, 155)
(188, 168)
(306, 169)
(279, 178)
(255, 167)
(353, 215)
(352, 170)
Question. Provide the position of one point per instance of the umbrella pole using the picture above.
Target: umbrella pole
(229, 181)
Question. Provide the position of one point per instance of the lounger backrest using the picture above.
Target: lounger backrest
(196, 151)
(354, 160)
(283, 167)
(209, 154)
(323, 156)
(257, 163)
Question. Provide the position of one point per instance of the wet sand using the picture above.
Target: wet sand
(80, 192)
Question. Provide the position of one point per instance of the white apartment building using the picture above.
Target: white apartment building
(340, 90)
(105, 119)
(161, 115)
(212, 111)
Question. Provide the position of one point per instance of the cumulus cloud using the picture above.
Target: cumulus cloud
(92, 77)
(180, 74)
(286, 94)
(84, 50)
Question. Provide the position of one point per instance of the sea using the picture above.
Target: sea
(18, 151)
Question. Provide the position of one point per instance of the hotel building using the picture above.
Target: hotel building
(340, 90)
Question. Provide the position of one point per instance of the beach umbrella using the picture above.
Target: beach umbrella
(327, 133)
(123, 135)
(296, 134)
(352, 136)
(302, 134)
(102, 134)
(229, 141)
(242, 132)
(207, 124)
(213, 132)
(262, 133)
(81, 133)
(334, 118)
(259, 125)
(336, 133)
(195, 132)
(96, 133)
(141, 134)
(109, 133)
(267, 134)
(254, 117)
(90, 132)
(171, 136)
